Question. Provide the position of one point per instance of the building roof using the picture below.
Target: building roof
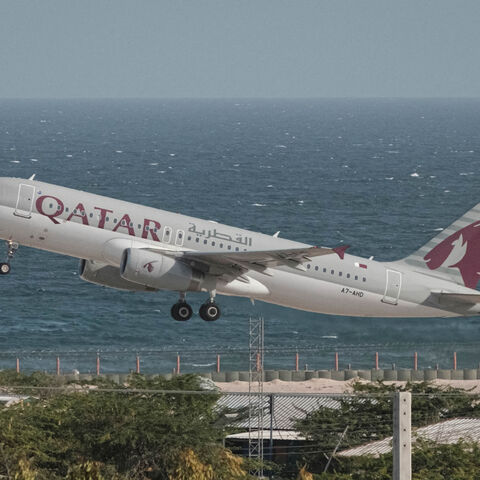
(447, 432)
(288, 408)
(286, 435)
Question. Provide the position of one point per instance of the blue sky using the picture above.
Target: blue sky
(244, 48)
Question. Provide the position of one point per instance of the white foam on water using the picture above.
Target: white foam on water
(118, 151)
(447, 191)
(329, 336)
(389, 178)
(438, 229)
(69, 156)
(280, 146)
(33, 160)
(415, 174)
(14, 161)
(269, 186)
(154, 164)
(172, 154)
(203, 364)
(236, 164)
(259, 204)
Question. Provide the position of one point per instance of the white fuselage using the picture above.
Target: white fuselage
(93, 227)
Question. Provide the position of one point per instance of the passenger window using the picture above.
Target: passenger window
(339, 274)
(229, 247)
(167, 235)
(205, 242)
(348, 275)
(308, 266)
(221, 245)
(332, 271)
(237, 249)
(356, 277)
(324, 270)
(364, 279)
(316, 268)
(197, 239)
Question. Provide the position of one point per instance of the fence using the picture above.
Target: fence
(204, 361)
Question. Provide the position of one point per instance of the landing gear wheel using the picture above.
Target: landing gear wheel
(181, 311)
(4, 268)
(210, 311)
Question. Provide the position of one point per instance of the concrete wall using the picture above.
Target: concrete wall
(303, 375)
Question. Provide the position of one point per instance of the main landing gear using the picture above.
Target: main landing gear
(209, 311)
(5, 267)
(181, 311)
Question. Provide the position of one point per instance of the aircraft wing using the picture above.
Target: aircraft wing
(259, 260)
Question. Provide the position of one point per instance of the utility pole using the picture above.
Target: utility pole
(402, 436)
(256, 398)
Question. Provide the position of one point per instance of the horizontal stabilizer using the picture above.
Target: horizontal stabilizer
(470, 298)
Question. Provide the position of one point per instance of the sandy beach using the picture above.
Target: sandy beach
(327, 386)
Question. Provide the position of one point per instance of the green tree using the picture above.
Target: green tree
(90, 433)
(368, 416)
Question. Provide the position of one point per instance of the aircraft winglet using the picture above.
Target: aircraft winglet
(340, 251)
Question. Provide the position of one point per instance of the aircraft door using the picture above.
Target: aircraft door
(26, 194)
(392, 287)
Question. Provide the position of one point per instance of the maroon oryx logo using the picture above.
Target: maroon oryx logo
(460, 250)
(149, 266)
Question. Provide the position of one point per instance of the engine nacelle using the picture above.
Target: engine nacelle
(159, 271)
(108, 276)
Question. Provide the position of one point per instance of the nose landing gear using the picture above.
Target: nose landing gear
(5, 267)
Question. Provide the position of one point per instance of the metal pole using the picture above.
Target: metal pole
(272, 406)
(178, 364)
(402, 441)
(376, 360)
(18, 365)
(415, 361)
(98, 364)
(58, 366)
(218, 363)
(138, 364)
(335, 450)
(336, 361)
(296, 362)
(454, 360)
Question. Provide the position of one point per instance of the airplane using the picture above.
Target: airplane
(132, 247)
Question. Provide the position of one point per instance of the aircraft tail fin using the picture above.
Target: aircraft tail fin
(454, 254)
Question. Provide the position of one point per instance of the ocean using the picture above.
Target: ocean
(382, 175)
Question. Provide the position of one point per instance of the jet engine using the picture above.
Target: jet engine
(159, 271)
(108, 276)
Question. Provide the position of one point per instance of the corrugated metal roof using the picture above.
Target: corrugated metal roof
(287, 408)
(276, 435)
(450, 431)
